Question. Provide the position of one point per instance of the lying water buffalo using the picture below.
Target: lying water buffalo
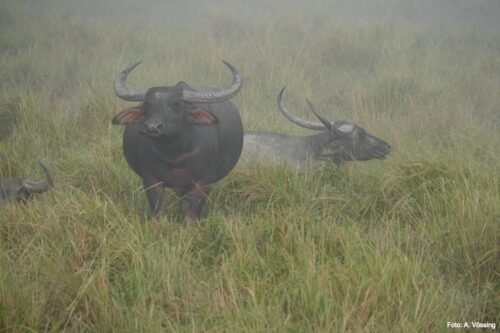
(21, 190)
(339, 141)
(180, 137)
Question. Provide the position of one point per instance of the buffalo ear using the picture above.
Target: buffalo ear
(333, 149)
(201, 117)
(129, 116)
(330, 149)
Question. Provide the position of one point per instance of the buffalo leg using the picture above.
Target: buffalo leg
(193, 203)
(154, 192)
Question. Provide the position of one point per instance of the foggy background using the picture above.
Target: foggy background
(479, 14)
(363, 60)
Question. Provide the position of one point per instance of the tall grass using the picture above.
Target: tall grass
(404, 245)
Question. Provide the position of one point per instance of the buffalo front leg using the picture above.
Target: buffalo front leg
(193, 203)
(154, 192)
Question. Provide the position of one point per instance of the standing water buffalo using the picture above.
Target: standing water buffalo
(180, 137)
(339, 141)
(21, 190)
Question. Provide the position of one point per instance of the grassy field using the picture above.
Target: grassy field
(402, 245)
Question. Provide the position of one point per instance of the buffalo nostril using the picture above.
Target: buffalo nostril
(154, 128)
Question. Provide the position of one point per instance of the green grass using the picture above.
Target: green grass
(405, 245)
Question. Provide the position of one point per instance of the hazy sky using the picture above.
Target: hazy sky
(479, 14)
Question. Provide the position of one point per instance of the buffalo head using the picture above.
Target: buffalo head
(343, 140)
(21, 190)
(164, 109)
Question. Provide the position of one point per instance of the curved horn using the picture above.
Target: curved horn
(324, 121)
(121, 89)
(217, 95)
(42, 186)
(297, 120)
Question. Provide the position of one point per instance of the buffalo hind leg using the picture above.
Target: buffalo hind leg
(154, 192)
(193, 203)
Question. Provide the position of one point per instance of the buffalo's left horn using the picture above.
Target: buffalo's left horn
(42, 186)
(216, 95)
(121, 89)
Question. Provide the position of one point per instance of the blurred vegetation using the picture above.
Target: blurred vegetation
(404, 244)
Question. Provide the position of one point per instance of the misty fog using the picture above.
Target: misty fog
(479, 14)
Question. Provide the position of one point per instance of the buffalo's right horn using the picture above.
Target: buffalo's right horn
(296, 120)
(42, 186)
(325, 121)
(121, 89)
(216, 95)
